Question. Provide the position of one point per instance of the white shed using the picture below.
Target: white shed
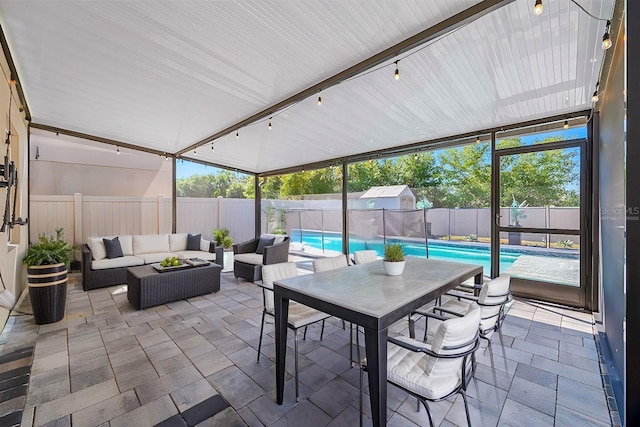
(388, 197)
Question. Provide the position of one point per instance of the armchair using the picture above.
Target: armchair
(250, 256)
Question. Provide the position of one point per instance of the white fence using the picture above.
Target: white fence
(85, 216)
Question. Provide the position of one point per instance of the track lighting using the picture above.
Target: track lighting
(606, 39)
(237, 134)
(396, 75)
(537, 9)
(117, 150)
(195, 153)
(566, 124)
(319, 100)
(595, 96)
(166, 157)
(212, 146)
(270, 122)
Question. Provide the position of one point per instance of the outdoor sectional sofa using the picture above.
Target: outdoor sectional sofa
(99, 271)
(250, 256)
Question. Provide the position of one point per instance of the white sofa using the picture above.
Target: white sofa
(99, 271)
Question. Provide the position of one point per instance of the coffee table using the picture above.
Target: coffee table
(147, 287)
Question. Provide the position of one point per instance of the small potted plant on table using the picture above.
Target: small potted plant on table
(47, 263)
(393, 262)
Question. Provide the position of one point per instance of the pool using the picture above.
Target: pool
(449, 252)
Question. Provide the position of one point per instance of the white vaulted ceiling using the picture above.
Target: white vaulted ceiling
(166, 75)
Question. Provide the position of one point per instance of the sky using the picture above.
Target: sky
(186, 169)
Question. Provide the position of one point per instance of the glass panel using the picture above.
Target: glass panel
(307, 206)
(557, 260)
(541, 189)
(541, 134)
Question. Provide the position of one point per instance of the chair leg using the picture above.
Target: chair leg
(295, 340)
(260, 341)
(304, 336)
(466, 406)
(351, 344)
(426, 406)
(360, 395)
(358, 345)
(322, 330)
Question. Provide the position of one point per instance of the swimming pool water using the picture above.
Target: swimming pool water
(470, 255)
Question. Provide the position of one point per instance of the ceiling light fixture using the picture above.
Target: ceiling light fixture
(478, 140)
(566, 124)
(117, 150)
(195, 153)
(270, 122)
(212, 146)
(319, 100)
(595, 96)
(238, 134)
(396, 75)
(606, 39)
(537, 9)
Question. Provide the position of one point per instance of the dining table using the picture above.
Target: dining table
(363, 294)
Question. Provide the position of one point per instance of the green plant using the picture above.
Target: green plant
(472, 237)
(49, 250)
(226, 242)
(518, 211)
(566, 244)
(219, 235)
(393, 252)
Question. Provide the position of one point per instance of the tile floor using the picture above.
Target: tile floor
(193, 363)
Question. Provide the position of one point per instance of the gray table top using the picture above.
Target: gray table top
(367, 290)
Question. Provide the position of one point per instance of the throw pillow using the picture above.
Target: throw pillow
(113, 248)
(264, 241)
(193, 242)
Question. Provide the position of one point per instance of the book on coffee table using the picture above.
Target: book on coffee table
(195, 262)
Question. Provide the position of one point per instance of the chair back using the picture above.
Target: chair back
(454, 340)
(494, 294)
(272, 273)
(330, 263)
(363, 257)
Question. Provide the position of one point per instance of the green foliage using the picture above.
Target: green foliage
(220, 234)
(566, 244)
(393, 252)
(518, 210)
(226, 242)
(221, 184)
(49, 250)
(472, 237)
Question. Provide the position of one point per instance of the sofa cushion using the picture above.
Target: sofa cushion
(207, 256)
(124, 261)
(193, 242)
(248, 258)
(178, 242)
(156, 256)
(150, 243)
(205, 245)
(126, 243)
(264, 241)
(113, 248)
(96, 245)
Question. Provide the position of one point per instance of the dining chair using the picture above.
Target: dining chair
(439, 368)
(299, 314)
(333, 263)
(493, 297)
(365, 256)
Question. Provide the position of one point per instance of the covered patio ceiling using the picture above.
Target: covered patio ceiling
(178, 77)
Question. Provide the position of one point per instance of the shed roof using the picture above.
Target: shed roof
(385, 191)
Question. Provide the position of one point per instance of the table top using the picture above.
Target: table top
(367, 292)
(148, 270)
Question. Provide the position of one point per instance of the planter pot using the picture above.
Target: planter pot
(515, 238)
(227, 260)
(393, 268)
(48, 292)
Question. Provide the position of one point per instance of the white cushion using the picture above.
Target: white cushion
(363, 257)
(248, 258)
(126, 243)
(124, 261)
(178, 242)
(156, 256)
(150, 243)
(204, 245)
(207, 256)
(96, 245)
(331, 263)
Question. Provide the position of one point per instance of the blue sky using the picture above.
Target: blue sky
(185, 168)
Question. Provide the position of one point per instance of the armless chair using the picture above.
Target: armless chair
(362, 257)
(299, 314)
(440, 368)
(333, 263)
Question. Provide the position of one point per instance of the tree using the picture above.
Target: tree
(466, 177)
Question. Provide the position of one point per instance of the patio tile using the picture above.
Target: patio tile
(486, 393)
(152, 390)
(150, 414)
(533, 395)
(335, 397)
(537, 376)
(238, 388)
(106, 410)
(304, 414)
(589, 401)
(569, 417)
(193, 394)
(566, 371)
(514, 413)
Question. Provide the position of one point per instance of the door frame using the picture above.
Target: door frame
(581, 296)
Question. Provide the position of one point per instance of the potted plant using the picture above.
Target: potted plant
(517, 212)
(47, 263)
(223, 238)
(393, 261)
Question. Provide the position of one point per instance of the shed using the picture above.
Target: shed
(389, 197)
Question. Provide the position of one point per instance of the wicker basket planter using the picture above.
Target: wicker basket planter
(48, 292)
